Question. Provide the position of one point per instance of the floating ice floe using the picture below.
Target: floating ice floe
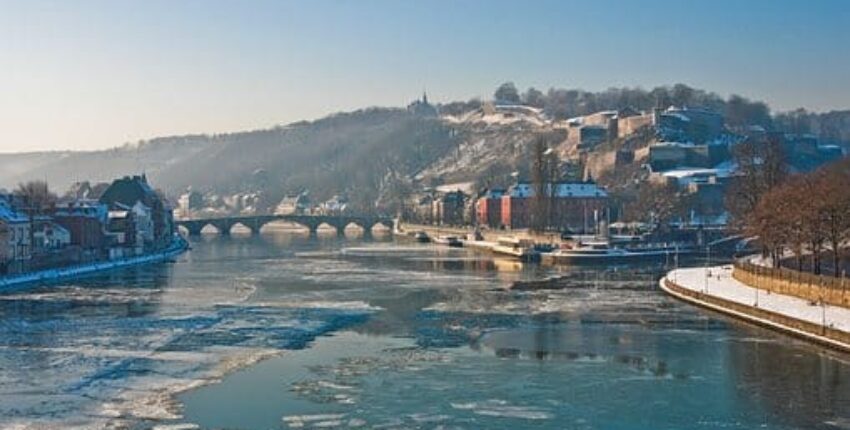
(315, 421)
(502, 409)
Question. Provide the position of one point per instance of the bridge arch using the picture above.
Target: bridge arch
(255, 223)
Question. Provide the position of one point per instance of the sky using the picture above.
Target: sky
(86, 74)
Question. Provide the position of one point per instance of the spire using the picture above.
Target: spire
(424, 97)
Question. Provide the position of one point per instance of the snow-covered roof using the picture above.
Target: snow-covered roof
(673, 144)
(118, 214)
(679, 116)
(684, 172)
(10, 215)
(466, 187)
(564, 190)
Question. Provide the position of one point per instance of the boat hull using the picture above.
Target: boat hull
(578, 258)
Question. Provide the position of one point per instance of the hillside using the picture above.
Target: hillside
(357, 153)
(374, 156)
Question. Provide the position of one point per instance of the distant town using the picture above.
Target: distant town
(88, 224)
(523, 166)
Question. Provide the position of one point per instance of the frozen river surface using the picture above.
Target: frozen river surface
(283, 331)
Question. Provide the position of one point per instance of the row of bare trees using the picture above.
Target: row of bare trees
(808, 215)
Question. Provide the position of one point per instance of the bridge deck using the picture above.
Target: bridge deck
(256, 222)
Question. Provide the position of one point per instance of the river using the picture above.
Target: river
(282, 330)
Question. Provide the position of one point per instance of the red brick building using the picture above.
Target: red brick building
(573, 206)
(86, 221)
(488, 208)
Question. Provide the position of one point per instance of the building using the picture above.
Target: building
(86, 222)
(422, 107)
(189, 202)
(124, 193)
(121, 234)
(18, 244)
(336, 205)
(686, 124)
(4, 250)
(48, 236)
(143, 225)
(449, 208)
(85, 190)
(573, 205)
(628, 124)
(488, 208)
(671, 155)
(420, 209)
(591, 130)
(294, 204)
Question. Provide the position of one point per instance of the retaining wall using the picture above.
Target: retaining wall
(814, 288)
(821, 334)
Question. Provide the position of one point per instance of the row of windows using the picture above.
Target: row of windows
(21, 233)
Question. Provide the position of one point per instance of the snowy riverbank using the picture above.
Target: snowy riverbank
(716, 289)
(178, 246)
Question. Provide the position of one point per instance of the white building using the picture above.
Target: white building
(143, 226)
(50, 236)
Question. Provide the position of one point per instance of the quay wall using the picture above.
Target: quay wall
(69, 272)
(814, 288)
(824, 335)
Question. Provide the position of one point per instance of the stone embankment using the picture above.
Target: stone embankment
(70, 272)
(721, 289)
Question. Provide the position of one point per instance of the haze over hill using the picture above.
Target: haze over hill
(381, 153)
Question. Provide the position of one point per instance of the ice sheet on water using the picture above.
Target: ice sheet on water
(119, 359)
(354, 305)
(341, 382)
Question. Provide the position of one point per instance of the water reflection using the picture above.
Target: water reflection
(588, 347)
(804, 386)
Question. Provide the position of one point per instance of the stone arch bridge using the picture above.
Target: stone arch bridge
(312, 222)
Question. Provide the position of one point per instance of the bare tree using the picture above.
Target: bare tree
(544, 177)
(761, 165)
(539, 180)
(507, 93)
(37, 199)
(833, 191)
(807, 213)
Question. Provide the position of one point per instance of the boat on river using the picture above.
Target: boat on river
(422, 237)
(523, 249)
(604, 252)
(451, 241)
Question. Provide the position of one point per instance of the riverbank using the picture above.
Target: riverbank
(714, 288)
(178, 246)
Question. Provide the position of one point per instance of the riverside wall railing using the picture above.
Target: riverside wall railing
(792, 326)
(814, 288)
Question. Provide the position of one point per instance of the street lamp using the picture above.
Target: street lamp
(706, 265)
(757, 297)
(676, 263)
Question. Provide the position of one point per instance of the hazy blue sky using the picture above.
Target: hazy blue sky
(92, 74)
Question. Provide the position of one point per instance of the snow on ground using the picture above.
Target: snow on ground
(717, 281)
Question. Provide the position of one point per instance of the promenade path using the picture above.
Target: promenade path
(717, 282)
